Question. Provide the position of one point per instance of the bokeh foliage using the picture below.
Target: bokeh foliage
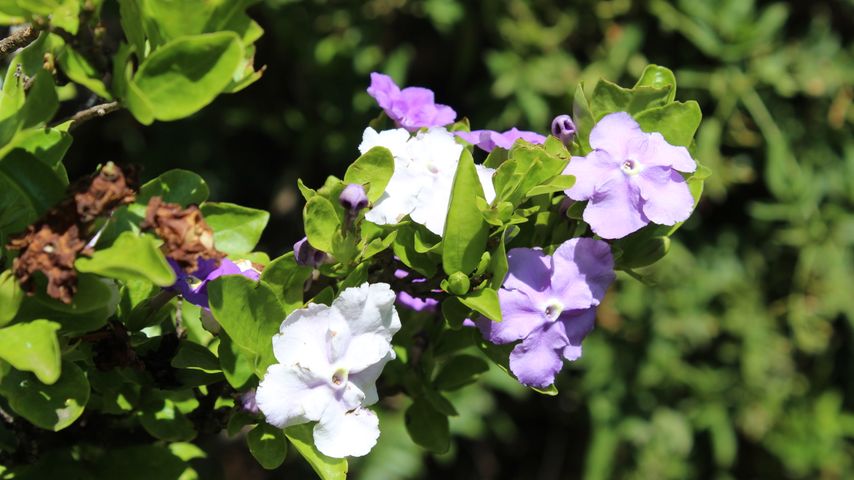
(738, 363)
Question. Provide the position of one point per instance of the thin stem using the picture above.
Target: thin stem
(93, 112)
(21, 38)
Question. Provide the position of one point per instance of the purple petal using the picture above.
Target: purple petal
(577, 324)
(614, 210)
(589, 172)
(383, 89)
(661, 153)
(667, 199)
(537, 360)
(614, 132)
(520, 316)
(529, 270)
(583, 271)
(416, 303)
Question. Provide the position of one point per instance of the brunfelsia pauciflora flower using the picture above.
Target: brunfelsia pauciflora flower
(441, 249)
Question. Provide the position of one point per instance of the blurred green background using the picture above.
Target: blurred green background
(734, 360)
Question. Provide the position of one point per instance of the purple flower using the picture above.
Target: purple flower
(489, 139)
(412, 108)
(631, 178)
(411, 302)
(564, 129)
(549, 302)
(194, 287)
(306, 255)
(353, 198)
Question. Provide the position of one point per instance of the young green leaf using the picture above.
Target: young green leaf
(287, 279)
(11, 297)
(677, 122)
(485, 302)
(32, 347)
(175, 186)
(327, 468)
(465, 229)
(131, 257)
(268, 445)
(236, 229)
(321, 223)
(52, 407)
(373, 169)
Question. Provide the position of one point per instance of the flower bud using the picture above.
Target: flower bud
(306, 255)
(353, 198)
(563, 128)
(458, 283)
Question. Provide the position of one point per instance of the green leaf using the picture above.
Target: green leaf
(427, 427)
(193, 355)
(185, 75)
(11, 297)
(287, 279)
(175, 186)
(677, 122)
(238, 364)
(465, 229)
(557, 183)
(640, 250)
(32, 347)
(658, 77)
(93, 293)
(236, 229)
(131, 257)
(268, 445)
(144, 462)
(404, 248)
(485, 302)
(583, 117)
(162, 418)
(321, 223)
(250, 313)
(132, 24)
(35, 182)
(498, 262)
(327, 468)
(77, 68)
(460, 371)
(51, 407)
(608, 98)
(41, 103)
(373, 169)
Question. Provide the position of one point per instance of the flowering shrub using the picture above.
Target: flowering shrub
(148, 309)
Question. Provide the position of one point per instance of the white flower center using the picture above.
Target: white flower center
(553, 310)
(339, 377)
(630, 167)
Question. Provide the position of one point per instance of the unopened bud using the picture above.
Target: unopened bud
(563, 128)
(353, 198)
(306, 255)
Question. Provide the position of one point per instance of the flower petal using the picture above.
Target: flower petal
(667, 198)
(583, 271)
(484, 174)
(343, 433)
(287, 396)
(614, 210)
(661, 153)
(536, 360)
(365, 350)
(383, 89)
(369, 308)
(577, 324)
(302, 338)
(589, 172)
(529, 270)
(394, 140)
(614, 132)
(520, 316)
(366, 379)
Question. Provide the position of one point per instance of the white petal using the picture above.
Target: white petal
(287, 396)
(369, 308)
(432, 204)
(342, 434)
(302, 337)
(394, 140)
(366, 379)
(485, 175)
(400, 196)
(365, 350)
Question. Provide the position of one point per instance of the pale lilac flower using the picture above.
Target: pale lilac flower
(412, 108)
(353, 198)
(489, 139)
(306, 255)
(329, 359)
(194, 287)
(424, 169)
(564, 129)
(631, 178)
(549, 303)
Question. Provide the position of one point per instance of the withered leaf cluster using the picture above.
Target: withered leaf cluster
(54, 241)
(187, 237)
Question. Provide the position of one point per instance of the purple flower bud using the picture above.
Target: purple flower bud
(353, 198)
(563, 128)
(248, 403)
(306, 255)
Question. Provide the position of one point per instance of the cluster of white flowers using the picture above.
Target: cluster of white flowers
(329, 360)
(424, 168)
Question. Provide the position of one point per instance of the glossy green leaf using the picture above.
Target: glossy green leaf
(175, 186)
(658, 77)
(268, 445)
(608, 97)
(677, 122)
(52, 407)
(287, 279)
(465, 229)
(185, 75)
(557, 183)
(162, 418)
(327, 468)
(78, 69)
(460, 371)
(131, 257)
(427, 427)
(373, 169)
(193, 355)
(321, 223)
(36, 184)
(32, 347)
(11, 296)
(485, 302)
(238, 364)
(236, 229)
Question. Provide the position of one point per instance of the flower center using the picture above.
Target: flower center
(339, 377)
(553, 310)
(630, 167)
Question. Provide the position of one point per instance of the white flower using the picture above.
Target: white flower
(424, 168)
(329, 361)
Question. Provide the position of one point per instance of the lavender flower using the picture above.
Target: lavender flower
(329, 359)
(631, 178)
(549, 303)
(418, 304)
(306, 255)
(353, 198)
(194, 287)
(489, 139)
(412, 108)
(564, 129)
